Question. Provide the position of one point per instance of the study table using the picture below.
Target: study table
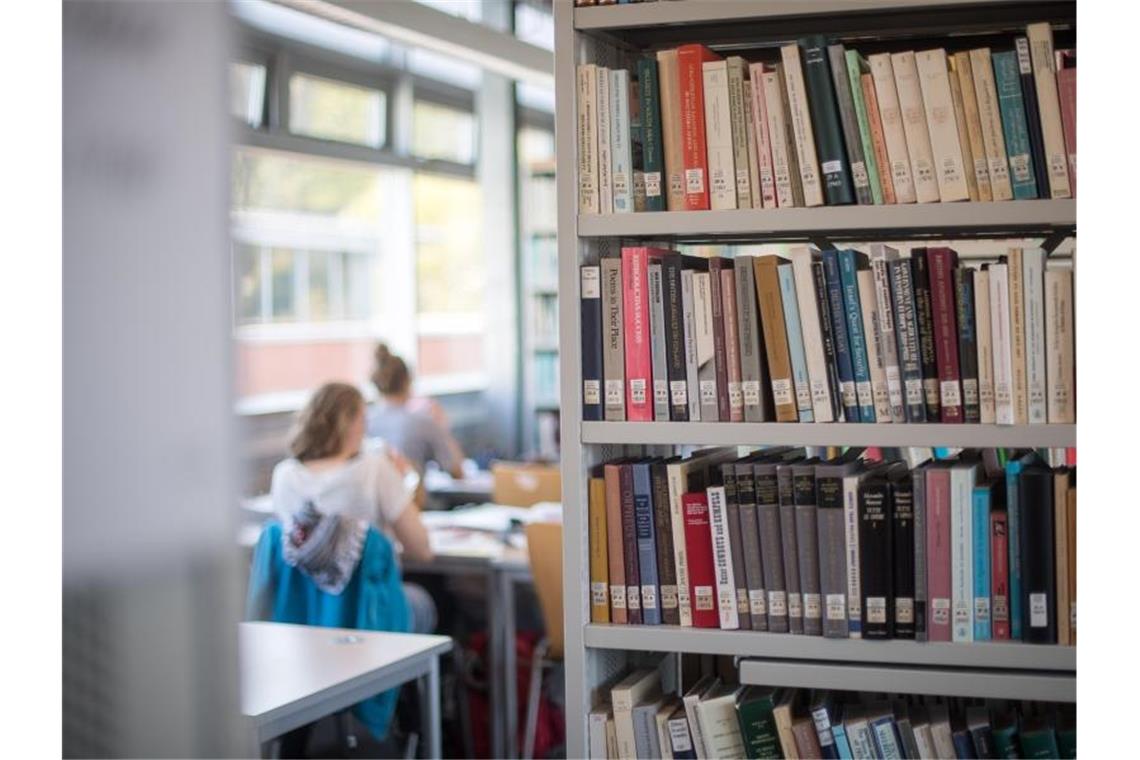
(292, 675)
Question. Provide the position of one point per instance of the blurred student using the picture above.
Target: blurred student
(330, 476)
(417, 427)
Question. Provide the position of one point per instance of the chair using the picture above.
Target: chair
(544, 545)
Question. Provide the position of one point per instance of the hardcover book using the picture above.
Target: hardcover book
(894, 135)
(835, 170)
(825, 406)
(673, 316)
(878, 138)
(771, 554)
(1007, 82)
(587, 102)
(689, 333)
(986, 498)
(736, 544)
(718, 136)
(839, 328)
(918, 142)
(629, 539)
(968, 168)
(732, 342)
(645, 527)
(613, 358)
(938, 553)
(722, 355)
(599, 557)
(942, 264)
(989, 117)
(963, 70)
(856, 66)
(738, 118)
(865, 280)
(949, 166)
(1002, 344)
(906, 335)
(1059, 348)
(999, 573)
(924, 315)
(638, 352)
(754, 707)
(851, 262)
(767, 290)
(807, 540)
(621, 149)
(753, 566)
(852, 139)
(902, 566)
(605, 142)
(967, 342)
(800, 378)
(1038, 562)
(657, 349)
(800, 116)
(788, 540)
(702, 569)
(833, 544)
(963, 477)
(590, 283)
(876, 555)
(705, 343)
(881, 258)
(763, 137)
(1032, 116)
(615, 554)
(722, 558)
(663, 536)
(1017, 334)
(694, 145)
(672, 141)
(985, 356)
(754, 383)
(652, 150)
(1033, 261)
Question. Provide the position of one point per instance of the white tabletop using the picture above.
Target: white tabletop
(295, 668)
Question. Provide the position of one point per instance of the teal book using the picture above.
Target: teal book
(980, 535)
(754, 706)
(1038, 739)
(1012, 479)
(800, 378)
(857, 66)
(855, 154)
(832, 291)
(1015, 128)
(1067, 732)
(842, 746)
(1006, 742)
(652, 153)
(833, 163)
(850, 262)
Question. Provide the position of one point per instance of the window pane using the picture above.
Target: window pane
(281, 182)
(247, 265)
(247, 92)
(333, 110)
(534, 25)
(357, 287)
(283, 289)
(320, 286)
(450, 268)
(443, 133)
(472, 10)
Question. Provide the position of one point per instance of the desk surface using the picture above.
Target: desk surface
(286, 668)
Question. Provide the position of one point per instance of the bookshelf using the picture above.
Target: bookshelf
(613, 36)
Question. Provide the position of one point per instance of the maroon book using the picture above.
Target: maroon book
(999, 564)
(698, 550)
(942, 263)
(720, 346)
(629, 536)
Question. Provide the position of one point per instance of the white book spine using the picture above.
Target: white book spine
(884, 307)
(722, 559)
(1040, 37)
(738, 118)
(706, 368)
(721, 727)
(914, 125)
(802, 126)
(692, 702)
(750, 140)
(1017, 335)
(1034, 282)
(622, 172)
(851, 536)
(961, 553)
(981, 68)
(597, 734)
(924, 741)
(605, 138)
(982, 320)
(675, 475)
(1059, 339)
(588, 140)
(801, 257)
(865, 280)
(1002, 344)
(718, 135)
(687, 312)
(763, 138)
(949, 165)
(883, 77)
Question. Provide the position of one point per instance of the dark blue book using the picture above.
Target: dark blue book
(826, 333)
(821, 705)
(888, 743)
(646, 542)
(850, 262)
(591, 303)
(967, 342)
(838, 315)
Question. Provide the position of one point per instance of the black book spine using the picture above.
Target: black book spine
(591, 307)
(629, 538)
(924, 314)
(819, 279)
(875, 561)
(1038, 588)
(674, 338)
(902, 538)
(967, 342)
(1032, 117)
(666, 569)
(739, 576)
(825, 122)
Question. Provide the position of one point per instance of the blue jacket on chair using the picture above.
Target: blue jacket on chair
(373, 600)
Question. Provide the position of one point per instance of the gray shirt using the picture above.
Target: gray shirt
(413, 433)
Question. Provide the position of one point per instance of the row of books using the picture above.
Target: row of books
(828, 336)
(717, 718)
(690, 130)
(979, 546)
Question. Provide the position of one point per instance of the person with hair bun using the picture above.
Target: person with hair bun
(416, 427)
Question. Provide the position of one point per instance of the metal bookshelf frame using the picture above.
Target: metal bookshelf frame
(610, 35)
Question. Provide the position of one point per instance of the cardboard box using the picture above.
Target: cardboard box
(521, 485)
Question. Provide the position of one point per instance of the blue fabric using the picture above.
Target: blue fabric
(373, 600)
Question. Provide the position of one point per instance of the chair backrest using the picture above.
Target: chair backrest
(544, 544)
(518, 484)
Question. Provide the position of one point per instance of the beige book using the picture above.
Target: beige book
(626, 693)
(1059, 362)
(800, 116)
(865, 280)
(914, 126)
(1002, 344)
(765, 192)
(737, 72)
(985, 346)
(1049, 105)
(1034, 282)
(989, 115)
(785, 168)
(782, 715)
(1017, 336)
(883, 75)
(718, 136)
(587, 138)
(611, 738)
(605, 146)
(753, 159)
(802, 257)
(960, 66)
(670, 84)
(963, 132)
(938, 101)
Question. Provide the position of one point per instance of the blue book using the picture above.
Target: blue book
(851, 262)
(821, 706)
(1012, 478)
(795, 342)
(830, 260)
(646, 542)
(888, 744)
(1007, 81)
(980, 533)
(842, 746)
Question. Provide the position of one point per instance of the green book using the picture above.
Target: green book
(1005, 736)
(824, 112)
(1038, 738)
(754, 705)
(857, 66)
(1007, 80)
(653, 157)
(851, 138)
(1067, 732)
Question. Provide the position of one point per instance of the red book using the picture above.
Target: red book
(717, 264)
(999, 569)
(942, 262)
(629, 536)
(698, 548)
(635, 312)
(1067, 90)
(694, 145)
(938, 553)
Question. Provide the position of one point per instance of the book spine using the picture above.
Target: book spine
(921, 586)
(718, 135)
(738, 117)
(938, 555)
(1007, 82)
(1035, 371)
(968, 168)
(1017, 335)
(638, 358)
(989, 115)
(630, 553)
(881, 256)
(722, 559)
(615, 543)
(983, 331)
(894, 134)
(982, 570)
(736, 550)
(920, 276)
(1013, 512)
(964, 72)
(906, 338)
(1059, 359)
(1032, 116)
(710, 390)
(807, 540)
(825, 122)
(1061, 555)
(688, 312)
(872, 331)
(605, 143)
(720, 357)
(802, 127)
(836, 388)
(599, 556)
(657, 347)
(752, 375)
(851, 138)
(694, 145)
(750, 547)
(934, 81)
(675, 475)
(967, 342)
(961, 554)
(591, 315)
(854, 65)
(800, 377)
(861, 370)
(942, 263)
(763, 138)
(838, 313)
(751, 140)
(999, 562)
(785, 163)
(732, 344)
(771, 554)
(645, 527)
(613, 360)
(775, 337)
(886, 740)
(854, 556)
(808, 311)
(1067, 90)
(587, 102)
(902, 564)
(913, 111)
(668, 76)
(675, 374)
(878, 139)
(663, 535)
(621, 150)
(702, 570)
(653, 156)
(876, 558)
(1038, 568)
(1002, 346)
(832, 555)
(790, 549)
